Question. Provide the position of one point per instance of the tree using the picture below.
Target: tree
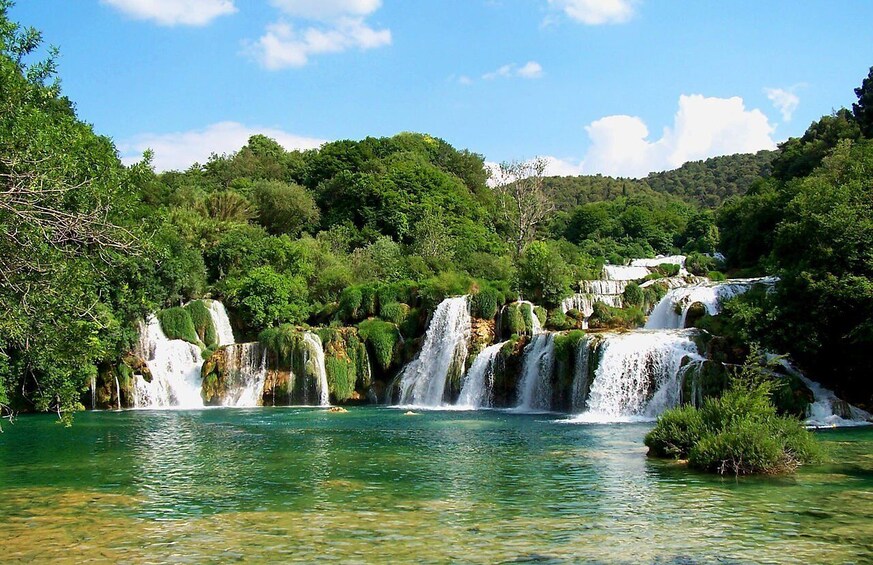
(522, 200)
(863, 109)
(285, 208)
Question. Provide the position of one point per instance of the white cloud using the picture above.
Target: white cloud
(180, 150)
(596, 12)
(702, 128)
(282, 46)
(339, 25)
(465, 80)
(786, 101)
(327, 10)
(529, 70)
(175, 12)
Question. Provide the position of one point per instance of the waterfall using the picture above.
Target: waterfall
(245, 372)
(622, 273)
(221, 323)
(93, 392)
(476, 391)
(580, 375)
(639, 375)
(535, 386)
(671, 312)
(827, 410)
(423, 381)
(313, 359)
(117, 393)
(661, 260)
(175, 368)
(535, 326)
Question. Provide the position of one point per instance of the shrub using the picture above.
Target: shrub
(633, 295)
(541, 315)
(485, 303)
(394, 312)
(382, 337)
(350, 304)
(368, 301)
(739, 433)
(668, 269)
(176, 324)
(700, 264)
(202, 320)
(557, 320)
(716, 276)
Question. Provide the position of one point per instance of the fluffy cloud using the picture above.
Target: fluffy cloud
(175, 12)
(596, 12)
(180, 150)
(783, 100)
(529, 70)
(340, 25)
(702, 127)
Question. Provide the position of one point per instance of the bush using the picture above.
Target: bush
(394, 312)
(557, 320)
(382, 337)
(739, 433)
(515, 319)
(700, 264)
(202, 320)
(633, 295)
(668, 269)
(350, 304)
(716, 276)
(485, 303)
(605, 316)
(176, 324)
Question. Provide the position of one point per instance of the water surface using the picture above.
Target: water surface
(376, 485)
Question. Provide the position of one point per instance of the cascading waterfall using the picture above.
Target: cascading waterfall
(175, 368)
(477, 388)
(313, 358)
(580, 375)
(827, 410)
(535, 386)
(117, 393)
(423, 381)
(624, 273)
(535, 326)
(672, 311)
(245, 371)
(93, 392)
(221, 323)
(639, 374)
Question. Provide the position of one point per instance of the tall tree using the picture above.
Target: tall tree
(522, 200)
(863, 109)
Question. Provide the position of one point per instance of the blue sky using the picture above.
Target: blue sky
(614, 86)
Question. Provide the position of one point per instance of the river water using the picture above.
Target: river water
(376, 485)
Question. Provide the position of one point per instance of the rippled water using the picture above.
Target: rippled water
(374, 485)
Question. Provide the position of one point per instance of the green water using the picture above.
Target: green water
(374, 485)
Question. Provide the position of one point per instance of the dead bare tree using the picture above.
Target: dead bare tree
(522, 200)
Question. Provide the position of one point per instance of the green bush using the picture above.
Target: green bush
(485, 303)
(394, 312)
(202, 320)
(382, 337)
(557, 320)
(716, 276)
(368, 301)
(668, 269)
(606, 316)
(633, 295)
(177, 324)
(739, 433)
(350, 304)
(281, 342)
(700, 264)
(514, 319)
(541, 314)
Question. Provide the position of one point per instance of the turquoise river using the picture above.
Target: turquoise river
(376, 485)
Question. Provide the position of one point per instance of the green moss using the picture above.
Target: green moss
(202, 321)
(382, 337)
(177, 324)
(541, 315)
(281, 343)
(394, 312)
(514, 319)
(350, 304)
(485, 303)
(605, 316)
(558, 321)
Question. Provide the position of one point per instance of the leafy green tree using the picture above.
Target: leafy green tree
(863, 108)
(285, 208)
(266, 298)
(543, 275)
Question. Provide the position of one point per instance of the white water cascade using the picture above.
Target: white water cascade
(246, 371)
(671, 312)
(827, 410)
(535, 326)
(313, 358)
(423, 381)
(476, 391)
(624, 273)
(221, 323)
(175, 368)
(117, 393)
(639, 375)
(93, 392)
(535, 386)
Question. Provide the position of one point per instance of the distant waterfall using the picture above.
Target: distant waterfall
(423, 381)
(117, 393)
(608, 292)
(827, 410)
(93, 392)
(221, 323)
(245, 371)
(580, 375)
(313, 358)
(639, 374)
(175, 368)
(672, 311)
(535, 386)
(621, 273)
(477, 388)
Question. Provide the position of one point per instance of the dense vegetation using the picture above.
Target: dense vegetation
(374, 233)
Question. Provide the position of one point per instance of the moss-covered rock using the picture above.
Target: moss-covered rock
(176, 323)
(201, 319)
